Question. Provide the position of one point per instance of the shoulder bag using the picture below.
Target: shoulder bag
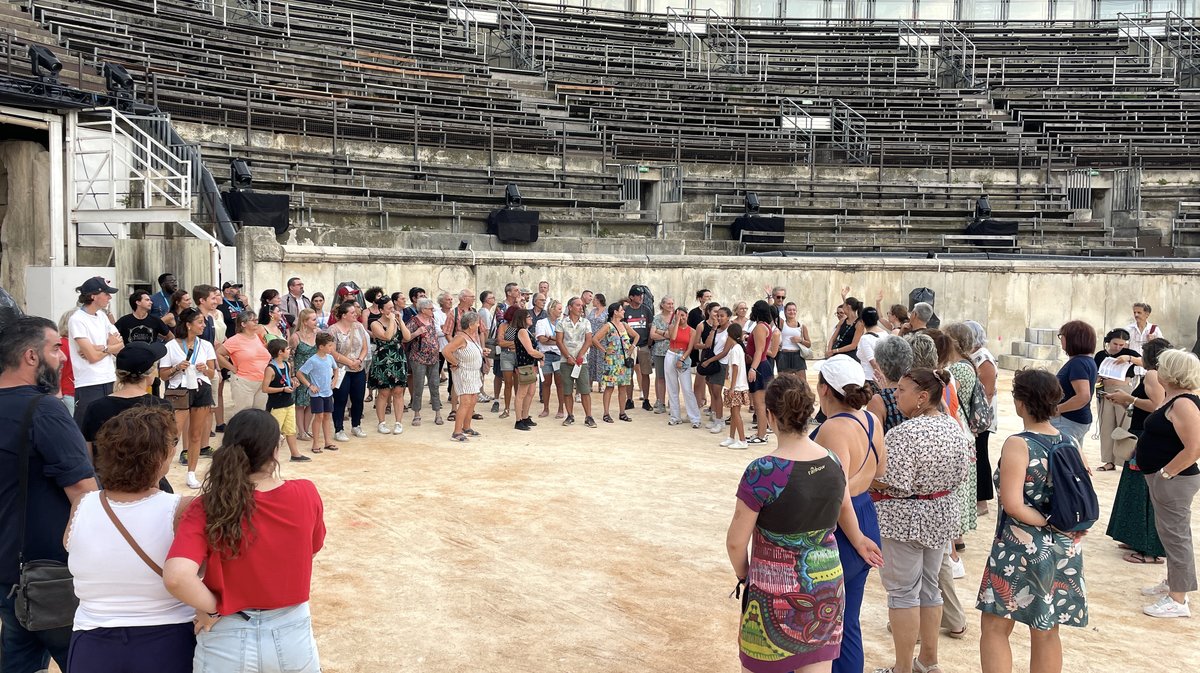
(137, 548)
(44, 597)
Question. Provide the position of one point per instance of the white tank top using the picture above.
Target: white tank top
(114, 585)
(788, 332)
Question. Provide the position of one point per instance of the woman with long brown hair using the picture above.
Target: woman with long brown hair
(250, 593)
(189, 367)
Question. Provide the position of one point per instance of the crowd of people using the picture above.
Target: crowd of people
(883, 463)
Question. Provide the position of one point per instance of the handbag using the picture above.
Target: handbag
(526, 374)
(112, 516)
(44, 597)
(629, 362)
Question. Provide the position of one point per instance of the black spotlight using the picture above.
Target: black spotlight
(118, 81)
(45, 64)
(463, 245)
(512, 196)
(240, 174)
(751, 203)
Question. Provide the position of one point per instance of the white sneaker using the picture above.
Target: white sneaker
(398, 428)
(739, 445)
(1166, 608)
(957, 569)
(384, 429)
(1156, 590)
(341, 436)
(192, 481)
(358, 432)
(717, 427)
(727, 441)
(696, 425)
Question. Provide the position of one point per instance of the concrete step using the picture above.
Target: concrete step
(1036, 351)
(1046, 336)
(1017, 363)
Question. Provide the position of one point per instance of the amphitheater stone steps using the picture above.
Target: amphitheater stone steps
(1039, 350)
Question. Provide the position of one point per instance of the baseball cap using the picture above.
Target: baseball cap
(347, 291)
(526, 290)
(138, 357)
(96, 284)
(636, 290)
(840, 371)
(228, 284)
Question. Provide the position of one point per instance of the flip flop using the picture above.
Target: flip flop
(1107, 467)
(331, 447)
(1139, 557)
(316, 449)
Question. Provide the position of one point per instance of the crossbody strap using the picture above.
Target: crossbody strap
(23, 471)
(112, 516)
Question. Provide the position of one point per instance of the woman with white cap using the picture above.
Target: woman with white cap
(855, 436)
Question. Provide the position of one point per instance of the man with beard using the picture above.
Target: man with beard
(160, 306)
(94, 343)
(59, 473)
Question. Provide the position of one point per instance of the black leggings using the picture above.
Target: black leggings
(983, 467)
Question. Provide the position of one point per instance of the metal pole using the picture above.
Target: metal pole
(335, 125)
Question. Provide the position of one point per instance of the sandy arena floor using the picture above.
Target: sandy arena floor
(573, 549)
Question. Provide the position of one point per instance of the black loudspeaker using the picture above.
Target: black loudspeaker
(758, 229)
(253, 209)
(514, 226)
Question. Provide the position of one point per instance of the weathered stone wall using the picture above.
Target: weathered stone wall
(25, 227)
(1006, 296)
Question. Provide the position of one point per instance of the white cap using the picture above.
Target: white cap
(840, 371)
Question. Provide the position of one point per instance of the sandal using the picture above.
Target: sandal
(918, 667)
(957, 635)
(608, 419)
(471, 432)
(316, 449)
(331, 447)
(1139, 557)
(459, 437)
(625, 417)
(416, 421)
(504, 414)
(1107, 467)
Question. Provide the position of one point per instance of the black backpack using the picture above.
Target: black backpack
(1074, 506)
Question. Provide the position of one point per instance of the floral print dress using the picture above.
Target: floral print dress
(964, 382)
(616, 349)
(1034, 574)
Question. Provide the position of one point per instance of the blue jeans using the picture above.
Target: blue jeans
(270, 641)
(1076, 431)
(24, 651)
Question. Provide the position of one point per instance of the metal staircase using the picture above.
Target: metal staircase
(711, 42)
(957, 51)
(519, 35)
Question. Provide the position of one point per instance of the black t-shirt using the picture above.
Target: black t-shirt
(58, 458)
(279, 379)
(1103, 355)
(695, 317)
(639, 320)
(101, 410)
(143, 330)
(1160, 441)
(230, 310)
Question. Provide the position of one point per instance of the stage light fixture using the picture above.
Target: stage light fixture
(44, 63)
(751, 203)
(118, 81)
(512, 196)
(240, 175)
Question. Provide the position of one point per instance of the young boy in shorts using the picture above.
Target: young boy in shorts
(277, 384)
(318, 374)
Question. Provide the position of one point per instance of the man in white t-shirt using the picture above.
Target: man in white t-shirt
(1142, 330)
(95, 342)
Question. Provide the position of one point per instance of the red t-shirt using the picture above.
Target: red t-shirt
(274, 569)
(67, 381)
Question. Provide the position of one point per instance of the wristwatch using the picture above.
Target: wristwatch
(1166, 475)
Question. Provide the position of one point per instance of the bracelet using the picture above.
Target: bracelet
(213, 615)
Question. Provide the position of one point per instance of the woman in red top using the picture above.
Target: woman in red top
(678, 366)
(258, 535)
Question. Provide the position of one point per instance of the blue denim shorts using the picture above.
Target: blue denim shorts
(263, 641)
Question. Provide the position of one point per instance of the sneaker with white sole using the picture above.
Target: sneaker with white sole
(1166, 608)
(674, 421)
(358, 432)
(192, 481)
(398, 428)
(696, 425)
(717, 427)
(384, 429)
(341, 436)
(957, 569)
(1159, 589)
(727, 441)
(739, 445)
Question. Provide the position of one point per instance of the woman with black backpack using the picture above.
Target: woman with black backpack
(1034, 574)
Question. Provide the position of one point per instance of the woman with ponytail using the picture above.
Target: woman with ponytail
(258, 534)
(788, 505)
(926, 462)
(855, 436)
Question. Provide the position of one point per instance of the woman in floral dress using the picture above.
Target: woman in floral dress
(1034, 574)
(617, 343)
(304, 346)
(388, 374)
(597, 315)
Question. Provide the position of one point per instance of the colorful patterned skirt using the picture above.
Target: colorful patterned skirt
(794, 601)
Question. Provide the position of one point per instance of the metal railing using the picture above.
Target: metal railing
(792, 119)
(958, 51)
(1146, 44)
(1128, 70)
(693, 52)
(850, 132)
(121, 166)
(726, 42)
(521, 35)
(465, 17)
(919, 47)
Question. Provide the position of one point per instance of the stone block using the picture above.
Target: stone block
(1010, 362)
(1041, 335)
(1035, 351)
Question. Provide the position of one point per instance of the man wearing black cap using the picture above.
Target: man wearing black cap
(94, 343)
(639, 316)
(233, 302)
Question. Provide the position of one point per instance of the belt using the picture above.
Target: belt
(876, 497)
